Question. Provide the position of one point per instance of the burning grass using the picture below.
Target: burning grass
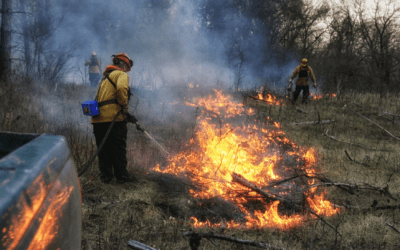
(157, 210)
(225, 145)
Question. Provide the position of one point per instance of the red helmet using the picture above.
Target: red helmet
(124, 57)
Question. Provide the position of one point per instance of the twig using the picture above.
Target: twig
(285, 180)
(312, 122)
(393, 227)
(351, 159)
(388, 207)
(390, 114)
(140, 246)
(232, 239)
(354, 144)
(239, 179)
(358, 186)
(376, 125)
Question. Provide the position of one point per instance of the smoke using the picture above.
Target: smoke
(172, 40)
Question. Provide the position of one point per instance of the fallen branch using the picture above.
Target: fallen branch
(390, 114)
(140, 246)
(354, 144)
(351, 159)
(286, 180)
(391, 120)
(393, 227)
(240, 179)
(357, 186)
(230, 239)
(312, 122)
(376, 125)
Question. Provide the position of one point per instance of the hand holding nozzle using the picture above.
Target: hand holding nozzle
(139, 128)
(131, 118)
(290, 85)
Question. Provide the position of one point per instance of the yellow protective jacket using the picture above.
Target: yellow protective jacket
(106, 91)
(303, 81)
(95, 66)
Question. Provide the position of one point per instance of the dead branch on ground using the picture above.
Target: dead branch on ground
(353, 144)
(357, 186)
(376, 124)
(238, 178)
(351, 159)
(241, 180)
(212, 235)
(393, 227)
(390, 114)
(313, 122)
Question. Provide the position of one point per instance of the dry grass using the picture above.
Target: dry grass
(156, 213)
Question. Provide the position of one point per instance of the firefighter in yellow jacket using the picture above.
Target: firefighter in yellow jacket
(113, 96)
(94, 70)
(303, 72)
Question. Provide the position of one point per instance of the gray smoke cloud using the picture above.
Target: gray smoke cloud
(169, 42)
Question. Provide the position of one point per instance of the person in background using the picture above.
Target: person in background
(113, 96)
(94, 70)
(303, 72)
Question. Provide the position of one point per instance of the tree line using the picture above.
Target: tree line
(349, 46)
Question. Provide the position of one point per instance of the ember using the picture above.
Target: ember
(250, 165)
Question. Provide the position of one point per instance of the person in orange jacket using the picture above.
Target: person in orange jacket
(113, 96)
(303, 72)
(94, 70)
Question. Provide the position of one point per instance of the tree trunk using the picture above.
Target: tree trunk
(25, 30)
(5, 46)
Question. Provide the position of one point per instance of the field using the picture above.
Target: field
(358, 159)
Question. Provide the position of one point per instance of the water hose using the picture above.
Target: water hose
(101, 145)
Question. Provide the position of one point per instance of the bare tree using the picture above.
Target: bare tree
(44, 58)
(5, 46)
(380, 40)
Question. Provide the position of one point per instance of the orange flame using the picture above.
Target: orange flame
(223, 146)
(271, 99)
(21, 222)
(316, 97)
(48, 228)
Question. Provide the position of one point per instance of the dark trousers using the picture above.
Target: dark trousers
(306, 93)
(94, 79)
(112, 157)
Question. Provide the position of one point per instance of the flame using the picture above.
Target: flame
(223, 145)
(316, 97)
(271, 99)
(322, 206)
(48, 228)
(21, 222)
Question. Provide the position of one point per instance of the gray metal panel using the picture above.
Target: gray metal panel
(31, 180)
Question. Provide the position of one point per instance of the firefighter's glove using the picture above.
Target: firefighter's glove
(139, 128)
(130, 118)
(290, 85)
(315, 85)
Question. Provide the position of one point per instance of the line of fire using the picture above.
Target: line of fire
(268, 180)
